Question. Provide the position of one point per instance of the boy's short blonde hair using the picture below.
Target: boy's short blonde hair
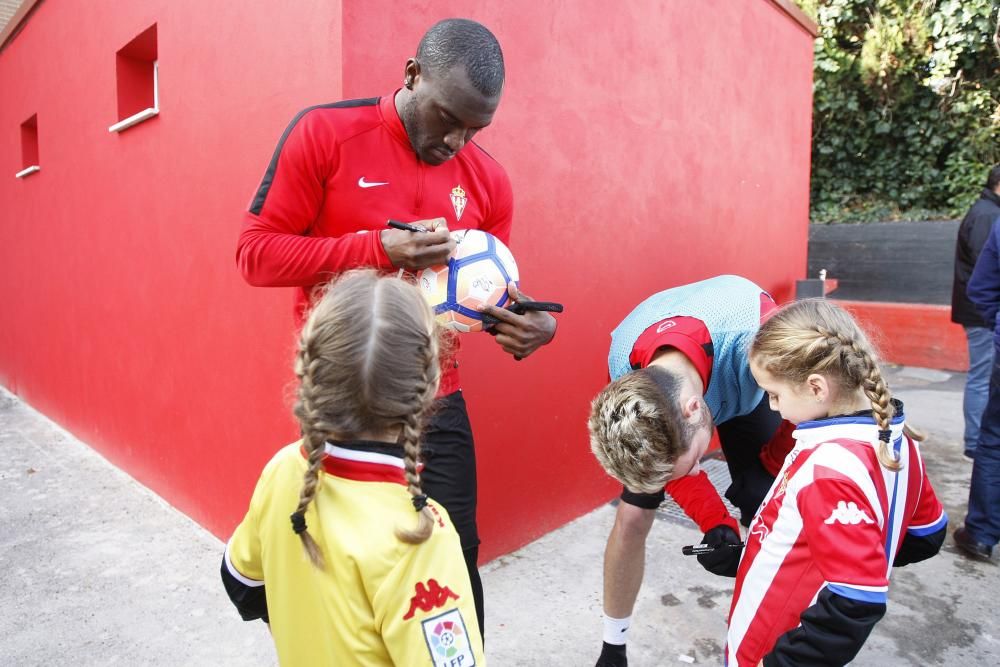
(637, 429)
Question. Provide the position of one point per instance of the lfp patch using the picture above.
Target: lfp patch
(448, 640)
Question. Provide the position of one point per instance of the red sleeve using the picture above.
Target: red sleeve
(928, 516)
(501, 215)
(845, 540)
(700, 501)
(772, 454)
(274, 249)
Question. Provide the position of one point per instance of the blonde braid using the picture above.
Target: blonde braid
(412, 430)
(877, 392)
(861, 369)
(310, 482)
(315, 433)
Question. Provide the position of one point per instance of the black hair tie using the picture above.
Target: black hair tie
(885, 436)
(298, 522)
(419, 502)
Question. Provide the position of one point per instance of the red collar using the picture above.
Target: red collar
(361, 466)
(392, 121)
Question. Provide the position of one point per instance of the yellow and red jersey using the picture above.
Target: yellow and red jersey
(378, 601)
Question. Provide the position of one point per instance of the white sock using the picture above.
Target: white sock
(616, 629)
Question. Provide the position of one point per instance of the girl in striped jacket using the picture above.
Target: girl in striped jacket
(851, 500)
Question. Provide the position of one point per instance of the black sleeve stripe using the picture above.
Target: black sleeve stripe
(484, 152)
(250, 601)
(265, 184)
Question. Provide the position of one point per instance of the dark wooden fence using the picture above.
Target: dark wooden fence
(899, 262)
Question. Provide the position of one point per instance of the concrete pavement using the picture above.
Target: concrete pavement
(96, 570)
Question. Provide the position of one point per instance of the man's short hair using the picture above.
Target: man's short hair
(993, 180)
(463, 42)
(637, 430)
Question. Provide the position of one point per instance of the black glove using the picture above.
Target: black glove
(724, 561)
(612, 655)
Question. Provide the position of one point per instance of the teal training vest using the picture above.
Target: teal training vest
(730, 308)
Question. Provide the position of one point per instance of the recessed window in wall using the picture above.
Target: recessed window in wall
(29, 147)
(136, 69)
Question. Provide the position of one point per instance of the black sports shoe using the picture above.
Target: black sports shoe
(612, 655)
(970, 547)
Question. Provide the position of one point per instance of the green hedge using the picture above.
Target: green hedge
(906, 108)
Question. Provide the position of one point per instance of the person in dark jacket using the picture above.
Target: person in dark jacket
(972, 235)
(981, 531)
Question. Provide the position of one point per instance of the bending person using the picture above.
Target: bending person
(679, 367)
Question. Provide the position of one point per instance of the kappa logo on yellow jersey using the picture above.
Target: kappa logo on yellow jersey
(429, 596)
(448, 640)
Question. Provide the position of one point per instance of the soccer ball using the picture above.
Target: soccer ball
(477, 273)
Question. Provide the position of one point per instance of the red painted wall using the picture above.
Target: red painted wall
(122, 315)
(655, 145)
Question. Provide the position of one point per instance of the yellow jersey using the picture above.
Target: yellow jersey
(379, 601)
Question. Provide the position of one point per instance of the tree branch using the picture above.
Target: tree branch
(996, 34)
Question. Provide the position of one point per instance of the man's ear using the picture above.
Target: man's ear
(691, 408)
(818, 387)
(412, 72)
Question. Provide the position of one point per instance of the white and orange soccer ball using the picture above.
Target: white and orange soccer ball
(477, 273)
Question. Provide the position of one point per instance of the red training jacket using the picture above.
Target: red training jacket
(343, 170)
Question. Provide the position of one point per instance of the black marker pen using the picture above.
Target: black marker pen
(698, 549)
(396, 224)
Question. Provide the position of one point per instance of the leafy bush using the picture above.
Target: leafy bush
(906, 107)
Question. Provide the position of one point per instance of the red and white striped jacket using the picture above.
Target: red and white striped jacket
(831, 524)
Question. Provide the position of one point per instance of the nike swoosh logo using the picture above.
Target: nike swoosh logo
(362, 183)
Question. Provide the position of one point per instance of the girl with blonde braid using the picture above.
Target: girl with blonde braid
(341, 552)
(851, 500)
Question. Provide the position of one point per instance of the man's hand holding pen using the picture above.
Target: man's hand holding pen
(417, 245)
(719, 552)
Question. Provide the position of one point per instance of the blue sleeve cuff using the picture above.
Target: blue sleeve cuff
(858, 594)
(920, 531)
